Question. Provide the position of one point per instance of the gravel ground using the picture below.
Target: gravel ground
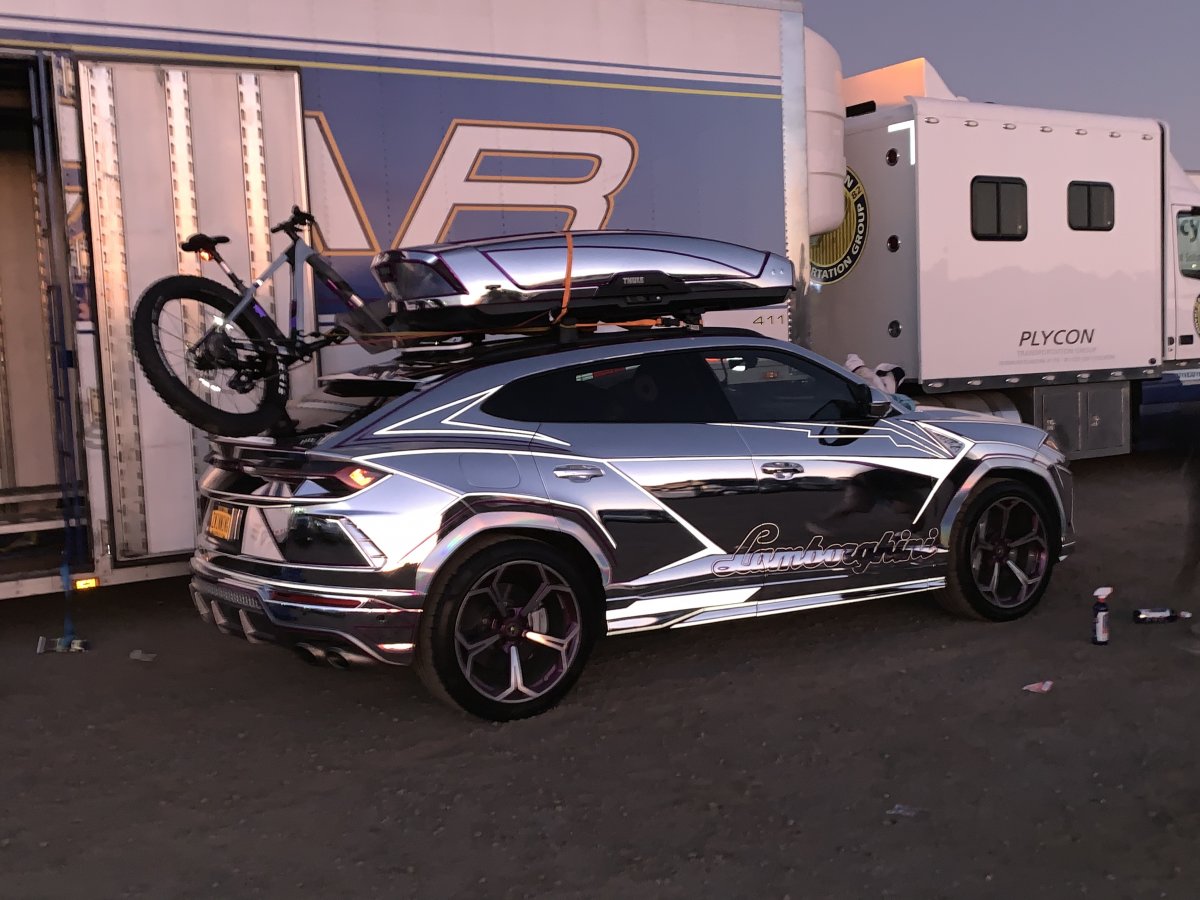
(766, 758)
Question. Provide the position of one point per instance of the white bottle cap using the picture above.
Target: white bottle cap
(1103, 593)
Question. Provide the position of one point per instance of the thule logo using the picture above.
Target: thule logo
(633, 279)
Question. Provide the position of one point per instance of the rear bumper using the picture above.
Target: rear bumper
(382, 630)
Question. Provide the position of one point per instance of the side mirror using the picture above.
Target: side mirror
(872, 404)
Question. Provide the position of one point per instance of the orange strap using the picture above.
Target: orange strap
(567, 278)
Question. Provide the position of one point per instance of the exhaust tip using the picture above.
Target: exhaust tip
(336, 658)
(310, 654)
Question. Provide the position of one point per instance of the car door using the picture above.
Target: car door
(639, 451)
(843, 499)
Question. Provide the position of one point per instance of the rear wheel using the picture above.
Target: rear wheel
(1003, 549)
(221, 376)
(508, 633)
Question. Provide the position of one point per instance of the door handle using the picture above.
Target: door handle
(783, 470)
(578, 472)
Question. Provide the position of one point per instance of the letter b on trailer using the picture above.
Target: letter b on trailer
(456, 180)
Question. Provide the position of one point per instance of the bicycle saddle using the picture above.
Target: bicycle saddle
(199, 242)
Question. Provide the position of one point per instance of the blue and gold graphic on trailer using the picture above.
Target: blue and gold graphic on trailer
(835, 253)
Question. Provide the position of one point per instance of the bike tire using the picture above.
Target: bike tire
(166, 382)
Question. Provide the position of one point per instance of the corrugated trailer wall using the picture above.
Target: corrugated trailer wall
(150, 185)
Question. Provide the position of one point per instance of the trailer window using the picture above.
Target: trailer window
(1189, 244)
(999, 208)
(1090, 206)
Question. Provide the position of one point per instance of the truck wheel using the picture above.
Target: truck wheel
(507, 634)
(1002, 553)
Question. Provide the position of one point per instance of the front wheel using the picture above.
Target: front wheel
(221, 376)
(1002, 553)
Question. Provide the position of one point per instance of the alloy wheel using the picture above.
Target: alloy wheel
(517, 631)
(1010, 552)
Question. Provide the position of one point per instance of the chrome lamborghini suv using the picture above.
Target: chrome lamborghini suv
(488, 516)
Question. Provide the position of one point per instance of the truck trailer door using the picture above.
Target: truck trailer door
(171, 150)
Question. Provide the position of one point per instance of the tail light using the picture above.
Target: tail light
(303, 476)
(358, 477)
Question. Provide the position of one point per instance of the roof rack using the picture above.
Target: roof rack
(437, 355)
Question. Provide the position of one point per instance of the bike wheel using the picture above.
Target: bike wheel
(222, 377)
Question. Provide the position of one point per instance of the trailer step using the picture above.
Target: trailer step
(33, 521)
(29, 494)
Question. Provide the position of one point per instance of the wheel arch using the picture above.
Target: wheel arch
(1023, 472)
(487, 529)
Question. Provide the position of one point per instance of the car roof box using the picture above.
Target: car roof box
(591, 276)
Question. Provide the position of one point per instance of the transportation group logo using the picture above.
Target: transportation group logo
(835, 252)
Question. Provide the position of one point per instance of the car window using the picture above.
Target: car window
(660, 387)
(778, 387)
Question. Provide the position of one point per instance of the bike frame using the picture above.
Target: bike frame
(298, 254)
(301, 256)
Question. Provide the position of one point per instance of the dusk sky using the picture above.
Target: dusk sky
(1139, 59)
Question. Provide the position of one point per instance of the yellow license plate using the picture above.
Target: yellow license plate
(221, 522)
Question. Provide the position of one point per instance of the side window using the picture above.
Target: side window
(660, 387)
(999, 208)
(1189, 244)
(1090, 206)
(777, 387)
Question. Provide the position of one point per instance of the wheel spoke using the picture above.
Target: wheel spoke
(493, 596)
(538, 597)
(473, 649)
(1005, 512)
(547, 640)
(981, 540)
(563, 645)
(1021, 576)
(516, 677)
(995, 579)
(1036, 537)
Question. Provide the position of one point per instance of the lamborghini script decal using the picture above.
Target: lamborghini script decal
(757, 553)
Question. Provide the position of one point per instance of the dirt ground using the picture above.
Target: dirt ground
(752, 759)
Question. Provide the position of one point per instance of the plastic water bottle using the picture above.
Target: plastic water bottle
(1100, 616)
(1147, 616)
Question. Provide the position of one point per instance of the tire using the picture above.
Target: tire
(473, 625)
(987, 544)
(258, 410)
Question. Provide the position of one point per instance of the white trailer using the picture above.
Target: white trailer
(1028, 262)
(125, 127)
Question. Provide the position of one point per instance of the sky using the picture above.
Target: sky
(1107, 56)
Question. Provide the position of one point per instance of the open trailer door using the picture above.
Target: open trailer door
(41, 509)
(171, 151)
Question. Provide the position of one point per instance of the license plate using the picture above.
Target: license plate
(222, 522)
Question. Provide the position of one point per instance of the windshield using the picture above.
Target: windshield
(1189, 244)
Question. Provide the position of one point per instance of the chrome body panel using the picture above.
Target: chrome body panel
(682, 523)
